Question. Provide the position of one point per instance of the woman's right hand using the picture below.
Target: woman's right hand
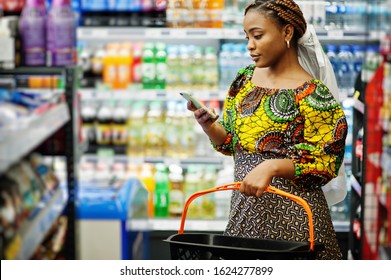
(202, 116)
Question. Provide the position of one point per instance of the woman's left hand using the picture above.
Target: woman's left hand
(256, 181)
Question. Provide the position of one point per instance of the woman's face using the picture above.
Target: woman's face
(265, 39)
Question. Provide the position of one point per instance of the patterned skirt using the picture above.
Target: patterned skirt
(276, 217)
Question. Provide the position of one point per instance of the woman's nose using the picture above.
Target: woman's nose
(250, 45)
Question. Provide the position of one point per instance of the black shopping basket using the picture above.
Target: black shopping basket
(204, 246)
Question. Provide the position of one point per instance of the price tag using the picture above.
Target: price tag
(153, 33)
(335, 34)
(178, 33)
(161, 94)
(233, 34)
(214, 33)
(105, 155)
(171, 161)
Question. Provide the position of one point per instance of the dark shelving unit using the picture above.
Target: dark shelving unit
(71, 146)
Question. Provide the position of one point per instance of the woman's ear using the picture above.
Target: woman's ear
(288, 32)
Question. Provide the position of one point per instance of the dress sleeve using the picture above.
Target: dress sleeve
(318, 158)
(229, 112)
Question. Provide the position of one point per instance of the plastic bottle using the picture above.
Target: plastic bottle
(148, 66)
(331, 52)
(119, 125)
(61, 34)
(136, 70)
(98, 62)
(103, 128)
(225, 66)
(355, 13)
(161, 198)
(229, 14)
(160, 66)
(173, 67)
(148, 179)
(201, 19)
(186, 136)
(332, 16)
(153, 130)
(198, 67)
(173, 13)
(215, 11)
(346, 71)
(172, 130)
(191, 185)
(186, 73)
(110, 66)
(237, 59)
(136, 123)
(33, 33)
(211, 68)
(176, 197)
(359, 56)
(124, 63)
(88, 115)
(209, 201)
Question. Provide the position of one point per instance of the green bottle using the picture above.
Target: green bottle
(162, 190)
(148, 66)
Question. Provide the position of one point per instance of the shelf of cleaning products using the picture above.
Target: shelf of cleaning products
(161, 224)
(33, 231)
(145, 94)
(132, 33)
(17, 142)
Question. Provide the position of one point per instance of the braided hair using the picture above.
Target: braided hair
(282, 11)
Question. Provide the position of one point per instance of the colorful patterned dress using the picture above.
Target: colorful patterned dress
(305, 125)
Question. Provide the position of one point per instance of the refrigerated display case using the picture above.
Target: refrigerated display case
(102, 214)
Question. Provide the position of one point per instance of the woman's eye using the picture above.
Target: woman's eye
(257, 37)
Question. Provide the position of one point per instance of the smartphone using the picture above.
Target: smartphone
(197, 103)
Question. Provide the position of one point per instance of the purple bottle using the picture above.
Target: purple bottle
(61, 34)
(33, 33)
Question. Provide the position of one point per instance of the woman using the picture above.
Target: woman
(284, 128)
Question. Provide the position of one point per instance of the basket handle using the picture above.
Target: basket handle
(270, 189)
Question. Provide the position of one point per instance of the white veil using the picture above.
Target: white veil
(313, 59)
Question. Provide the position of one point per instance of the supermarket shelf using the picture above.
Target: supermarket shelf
(341, 226)
(133, 33)
(129, 33)
(142, 94)
(19, 142)
(174, 224)
(34, 230)
(31, 70)
(218, 160)
(197, 225)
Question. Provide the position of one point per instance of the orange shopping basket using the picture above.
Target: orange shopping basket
(206, 246)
